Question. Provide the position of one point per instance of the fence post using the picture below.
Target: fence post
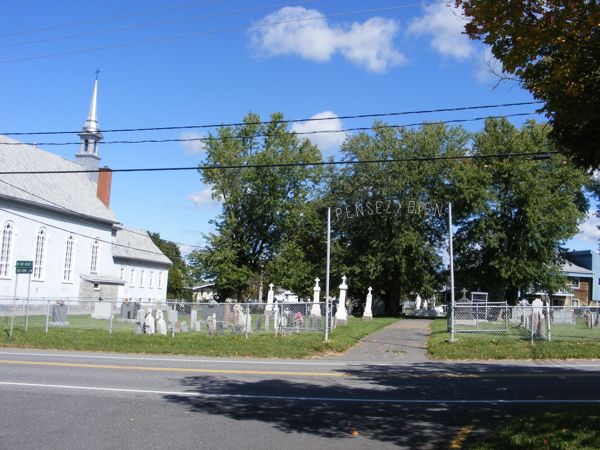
(247, 324)
(47, 314)
(548, 321)
(531, 321)
(173, 322)
(326, 319)
(111, 319)
(26, 315)
(506, 318)
(476, 317)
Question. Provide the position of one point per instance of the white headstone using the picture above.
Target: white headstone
(161, 325)
(149, 325)
(368, 314)
(102, 310)
(315, 310)
(341, 316)
(270, 296)
(418, 302)
(211, 323)
(425, 304)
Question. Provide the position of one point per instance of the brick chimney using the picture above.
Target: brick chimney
(104, 183)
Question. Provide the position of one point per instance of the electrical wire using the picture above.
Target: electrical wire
(110, 19)
(206, 33)
(285, 121)
(155, 24)
(533, 156)
(64, 208)
(80, 234)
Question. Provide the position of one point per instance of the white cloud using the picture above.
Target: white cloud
(445, 25)
(204, 199)
(326, 141)
(288, 32)
(193, 147)
(588, 230)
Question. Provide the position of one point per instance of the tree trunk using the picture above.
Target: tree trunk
(393, 301)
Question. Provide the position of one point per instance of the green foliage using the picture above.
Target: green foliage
(382, 242)
(511, 236)
(265, 210)
(257, 345)
(178, 272)
(551, 46)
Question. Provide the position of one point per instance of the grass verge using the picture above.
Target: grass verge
(567, 428)
(482, 346)
(257, 345)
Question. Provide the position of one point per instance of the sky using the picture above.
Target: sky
(166, 63)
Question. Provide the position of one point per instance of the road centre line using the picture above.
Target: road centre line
(423, 374)
(305, 398)
(173, 369)
(239, 361)
(462, 436)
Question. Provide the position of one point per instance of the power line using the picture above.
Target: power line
(165, 22)
(205, 33)
(534, 156)
(110, 19)
(80, 234)
(285, 121)
(266, 135)
(64, 208)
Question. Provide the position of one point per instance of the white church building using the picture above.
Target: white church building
(63, 224)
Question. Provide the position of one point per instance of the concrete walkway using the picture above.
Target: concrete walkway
(404, 341)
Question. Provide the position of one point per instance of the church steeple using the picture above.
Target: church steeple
(90, 137)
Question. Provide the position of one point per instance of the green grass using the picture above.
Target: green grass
(257, 345)
(485, 346)
(565, 429)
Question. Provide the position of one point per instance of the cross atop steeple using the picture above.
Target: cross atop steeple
(97, 72)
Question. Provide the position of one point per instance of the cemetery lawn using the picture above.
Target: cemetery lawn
(569, 428)
(301, 345)
(487, 346)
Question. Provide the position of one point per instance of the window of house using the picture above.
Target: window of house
(151, 279)
(69, 250)
(575, 283)
(142, 278)
(6, 249)
(41, 242)
(132, 277)
(94, 258)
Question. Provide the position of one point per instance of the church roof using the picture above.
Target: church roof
(137, 244)
(72, 193)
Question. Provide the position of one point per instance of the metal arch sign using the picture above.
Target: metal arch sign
(24, 267)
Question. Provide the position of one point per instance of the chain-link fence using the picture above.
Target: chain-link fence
(542, 322)
(167, 318)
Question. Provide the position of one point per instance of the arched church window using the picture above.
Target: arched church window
(94, 258)
(69, 258)
(41, 243)
(8, 232)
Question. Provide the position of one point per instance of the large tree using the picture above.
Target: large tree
(553, 48)
(389, 219)
(177, 286)
(512, 231)
(267, 221)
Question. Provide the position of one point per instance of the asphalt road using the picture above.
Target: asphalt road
(71, 400)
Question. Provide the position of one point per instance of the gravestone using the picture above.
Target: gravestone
(211, 324)
(315, 310)
(161, 326)
(341, 315)
(59, 315)
(368, 313)
(149, 323)
(172, 315)
(102, 310)
(184, 327)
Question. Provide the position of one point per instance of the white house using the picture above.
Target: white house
(62, 222)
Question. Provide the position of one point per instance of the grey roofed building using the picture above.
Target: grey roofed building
(62, 223)
(74, 193)
(137, 245)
